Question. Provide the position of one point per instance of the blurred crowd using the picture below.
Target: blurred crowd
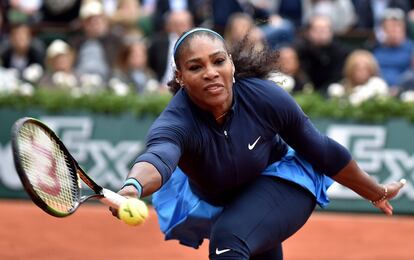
(357, 49)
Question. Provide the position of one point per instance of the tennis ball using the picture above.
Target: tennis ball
(133, 212)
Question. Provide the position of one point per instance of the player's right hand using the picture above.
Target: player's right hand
(127, 192)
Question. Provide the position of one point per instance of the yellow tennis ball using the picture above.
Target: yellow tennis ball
(133, 212)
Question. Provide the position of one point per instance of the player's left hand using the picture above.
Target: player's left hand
(392, 190)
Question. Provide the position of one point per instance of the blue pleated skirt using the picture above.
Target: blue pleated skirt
(184, 216)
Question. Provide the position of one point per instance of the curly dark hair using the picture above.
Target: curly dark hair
(248, 60)
(252, 62)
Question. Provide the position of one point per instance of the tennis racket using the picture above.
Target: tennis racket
(48, 172)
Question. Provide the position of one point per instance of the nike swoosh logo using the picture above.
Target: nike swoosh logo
(251, 146)
(219, 252)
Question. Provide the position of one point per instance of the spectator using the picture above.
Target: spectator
(370, 13)
(199, 10)
(60, 73)
(240, 26)
(21, 50)
(341, 13)
(298, 12)
(275, 29)
(98, 46)
(161, 47)
(133, 69)
(123, 15)
(360, 72)
(290, 76)
(222, 10)
(63, 13)
(322, 56)
(278, 31)
(293, 10)
(395, 52)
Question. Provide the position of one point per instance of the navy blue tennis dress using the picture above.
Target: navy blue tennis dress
(265, 133)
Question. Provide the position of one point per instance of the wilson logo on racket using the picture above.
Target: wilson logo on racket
(47, 168)
(49, 173)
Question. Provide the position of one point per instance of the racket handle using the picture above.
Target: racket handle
(111, 198)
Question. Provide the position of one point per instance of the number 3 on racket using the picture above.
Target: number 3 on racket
(49, 173)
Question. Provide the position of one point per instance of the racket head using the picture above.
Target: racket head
(45, 167)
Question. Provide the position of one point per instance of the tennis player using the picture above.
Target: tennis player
(234, 159)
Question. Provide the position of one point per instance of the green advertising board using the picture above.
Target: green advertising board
(106, 146)
(385, 151)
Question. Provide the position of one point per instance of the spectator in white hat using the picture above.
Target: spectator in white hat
(60, 73)
(97, 46)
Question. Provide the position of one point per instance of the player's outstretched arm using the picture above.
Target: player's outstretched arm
(363, 184)
(149, 180)
(148, 177)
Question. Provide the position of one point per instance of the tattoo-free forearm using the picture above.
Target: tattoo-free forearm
(359, 181)
(148, 176)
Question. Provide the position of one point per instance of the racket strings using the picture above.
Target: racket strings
(48, 168)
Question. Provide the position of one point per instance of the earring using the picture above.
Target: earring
(176, 80)
(234, 80)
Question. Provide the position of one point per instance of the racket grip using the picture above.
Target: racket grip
(111, 198)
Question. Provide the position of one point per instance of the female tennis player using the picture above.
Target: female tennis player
(234, 159)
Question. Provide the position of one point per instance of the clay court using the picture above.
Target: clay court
(92, 233)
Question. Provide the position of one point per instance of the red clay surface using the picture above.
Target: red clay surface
(92, 233)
